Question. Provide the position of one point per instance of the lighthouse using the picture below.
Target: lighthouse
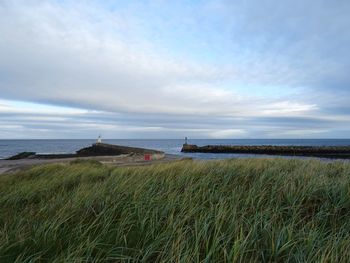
(99, 139)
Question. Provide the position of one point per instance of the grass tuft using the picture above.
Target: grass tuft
(253, 210)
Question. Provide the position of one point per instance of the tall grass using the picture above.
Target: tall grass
(269, 210)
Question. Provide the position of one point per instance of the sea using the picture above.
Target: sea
(169, 146)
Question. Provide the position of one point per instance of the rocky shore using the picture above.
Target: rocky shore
(341, 152)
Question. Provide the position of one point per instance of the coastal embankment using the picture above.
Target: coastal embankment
(334, 152)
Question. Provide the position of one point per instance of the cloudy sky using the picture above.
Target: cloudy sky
(169, 69)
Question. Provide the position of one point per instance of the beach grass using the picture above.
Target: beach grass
(243, 210)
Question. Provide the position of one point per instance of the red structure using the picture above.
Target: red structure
(147, 157)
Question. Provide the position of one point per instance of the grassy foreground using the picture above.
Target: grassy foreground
(220, 211)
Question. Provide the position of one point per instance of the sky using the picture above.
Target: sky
(168, 69)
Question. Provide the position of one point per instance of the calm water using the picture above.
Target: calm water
(11, 147)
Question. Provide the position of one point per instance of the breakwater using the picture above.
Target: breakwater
(341, 152)
(97, 149)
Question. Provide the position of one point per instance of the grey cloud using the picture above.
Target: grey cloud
(129, 125)
(291, 42)
(56, 54)
(49, 57)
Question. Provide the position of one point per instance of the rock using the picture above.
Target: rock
(22, 155)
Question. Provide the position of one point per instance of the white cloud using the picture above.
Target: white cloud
(61, 55)
(102, 72)
(227, 133)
